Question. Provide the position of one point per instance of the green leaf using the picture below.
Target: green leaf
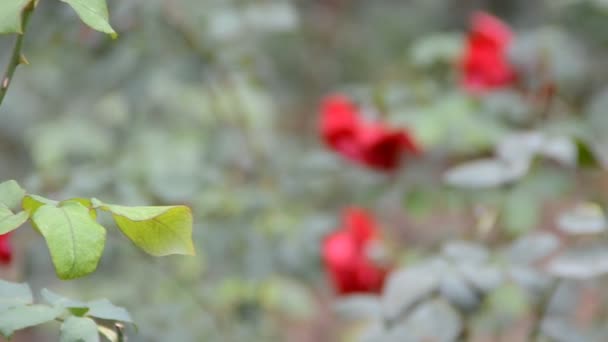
(586, 218)
(586, 155)
(101, 308)
(21, 317)
(79, 329)
(74, 239)
(93, 13)
(31, 203)
(10, 221)
(85, 202)
(157, 230)
(11, 193)
(104, 309)
(14, 294)
(76, 307)
(509, 299)
(485, 173)
(521, 212)
(10, 15)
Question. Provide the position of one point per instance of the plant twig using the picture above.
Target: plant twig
(542, 311)
(16, 56)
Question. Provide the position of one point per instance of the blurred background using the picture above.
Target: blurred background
(214, 104)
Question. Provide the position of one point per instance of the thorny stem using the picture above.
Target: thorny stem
(16, 57)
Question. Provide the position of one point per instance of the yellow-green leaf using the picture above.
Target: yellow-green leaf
(31, 203)
(93, 13)
(74, 239)
(10, 15)
(85, 202)
(157, 230)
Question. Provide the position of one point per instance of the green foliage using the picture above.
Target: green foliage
(157, 230)
(231, 140)
(11, 194)
(76, 241)
(21, 317)
(18, 311)
(10, 15)
(79, 329)
(93, 13)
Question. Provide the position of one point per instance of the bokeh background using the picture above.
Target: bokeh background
(214, 104)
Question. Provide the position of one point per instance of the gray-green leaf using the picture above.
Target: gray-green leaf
(13, 294)
(74, 239)
(104, 309)
(79, 329)
(21, 317)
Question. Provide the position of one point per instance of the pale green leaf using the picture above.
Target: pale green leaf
(521, 212)
(101, 308)
(85, 202)
(21, 317)
(11, 193)
(104, 309)
(14, 294)
(10, 221)
(74, 239)
(77, 308)
(79, 329)
(157, 230)
(10, 15)
(31, 203)
(93, 13)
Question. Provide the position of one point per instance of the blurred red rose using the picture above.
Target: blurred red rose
(339, 125)
(371, 144)
(383, 148)
(485, 64)
(347, 255)
(6, 250)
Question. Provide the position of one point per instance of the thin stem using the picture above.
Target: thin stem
(16, 57)
(542, 311)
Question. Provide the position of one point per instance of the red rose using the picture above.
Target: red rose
(485, 64)
(346, 254)
(339, 125)
(383, 148)
(370, 144)
(6, 250)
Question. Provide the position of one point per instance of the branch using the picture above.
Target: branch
(16, 57)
